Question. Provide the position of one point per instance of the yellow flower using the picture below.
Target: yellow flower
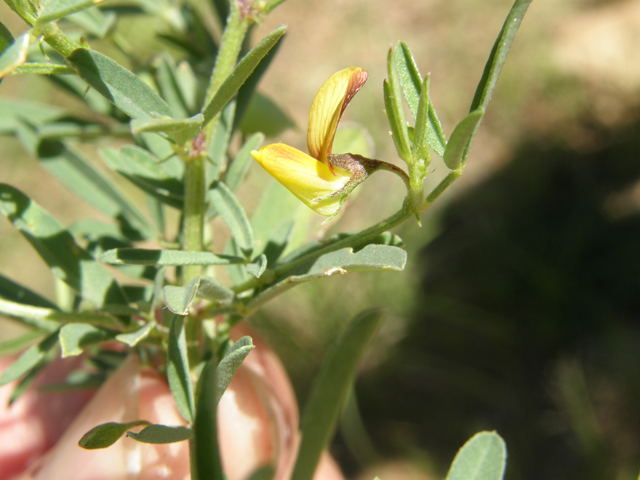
(314, 179)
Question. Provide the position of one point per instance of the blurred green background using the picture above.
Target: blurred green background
(519, 310)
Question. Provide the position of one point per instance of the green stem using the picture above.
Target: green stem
(192, 238)
(195, 176)
(194, 213)
(48, 319)
(231, 43)
(58, 40)
(441, 187)
(351, 241)
(355, 240)
(43, 69)
(193, 466)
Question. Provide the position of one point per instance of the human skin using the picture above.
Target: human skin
(258, 425)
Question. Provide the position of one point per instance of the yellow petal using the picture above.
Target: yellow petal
(304, 176)
(326, 110)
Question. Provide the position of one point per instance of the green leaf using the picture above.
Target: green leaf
(219, 143)
(80, 177)
(237, 273)
(205, 432)
(353, 139)
(221, 8)
(483, 457)
(97, 246)
(94, 21)
(257, 266)
(180, 299)
(230, 363)
(178, 370)
(157, 145)
(187, 86)
(239, 167)
(271, 4)
(75, 337)
(460, 138)
(105, 435)
(33, 113)
(398, 129)
(412, 88)
(33, 357)
(135, 337)
(180, 129)
(28, 137)
(56, 9)
(76, 380)
(264, 115)
(277, 206)
(162, 180)
(138, 294)
(19, 294)
(161, 434)
(370, 258)
(420, 147)
(496, 61)
(28, 379)
(240, 74)
(95, 230)
(158, 296)
(385, 238)
(117, 84)
(408, 76)
(278, 241)
(189, 30)
(15, 55)
(330, 390)
(165, 258)
(19, 343)
(165, 69)
(78, 129)
(6, 39)
(262, 473)
(247, 94)
(26, 9)
(56, 246)
(157, 213)
(233, 216)
(79, 88)
(395, 110)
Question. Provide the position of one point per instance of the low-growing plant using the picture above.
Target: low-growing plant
(173, 128)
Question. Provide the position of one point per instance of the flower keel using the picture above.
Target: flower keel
(307, 178)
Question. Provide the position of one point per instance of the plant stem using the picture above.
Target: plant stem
(195, 173)
(193, 467)
(192, 241)
(43, 69)
(441, 187)
(194, 213)
(352, 241)
(48, 319)
(230, 46)
(58, 40)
